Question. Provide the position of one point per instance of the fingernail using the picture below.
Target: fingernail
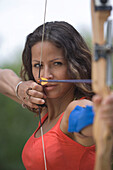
(43, 101)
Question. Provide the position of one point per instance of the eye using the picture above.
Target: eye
(58, 63)
(37, 65)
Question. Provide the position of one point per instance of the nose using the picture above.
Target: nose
(46, 73)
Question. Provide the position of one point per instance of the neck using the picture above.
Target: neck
(58, 106)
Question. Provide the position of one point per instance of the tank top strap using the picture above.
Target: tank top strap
(84, 98)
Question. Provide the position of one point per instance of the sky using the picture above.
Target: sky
(19, 18)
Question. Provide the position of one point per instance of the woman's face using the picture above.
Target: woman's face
(53, 67)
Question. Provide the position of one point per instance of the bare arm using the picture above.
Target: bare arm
(85, 137)
(8, 82)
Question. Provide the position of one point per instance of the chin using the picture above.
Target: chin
(53, 95)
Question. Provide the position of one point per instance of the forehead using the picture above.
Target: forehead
(49, 50)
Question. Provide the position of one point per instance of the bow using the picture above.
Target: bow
(101, 76)
(40, 106)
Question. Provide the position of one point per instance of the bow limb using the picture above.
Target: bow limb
(102, 133)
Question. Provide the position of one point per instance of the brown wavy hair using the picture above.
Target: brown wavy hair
(76, 53)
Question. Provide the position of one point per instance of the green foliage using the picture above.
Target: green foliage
(87, 37)
(15, 66)
(16, 126)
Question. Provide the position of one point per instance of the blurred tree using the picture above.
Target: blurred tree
(87, 37)
(16, 126)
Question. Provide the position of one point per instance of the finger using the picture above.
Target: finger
(30, 101)
(32, 105)
(36, 94)
(36, 100)
(109, 123)
(108, 115)
(97, 99)
(108, 100)
(96, 102)
(37, 87)
(29, 104)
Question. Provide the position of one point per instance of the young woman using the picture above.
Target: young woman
(63, 55)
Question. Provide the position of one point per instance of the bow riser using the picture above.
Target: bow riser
(102, 133)
(99, 67)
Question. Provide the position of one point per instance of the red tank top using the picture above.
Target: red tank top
(62, 153)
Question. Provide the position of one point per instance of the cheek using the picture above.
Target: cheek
(61, 73)
(65, 74)
(35, 74)
(67, 86)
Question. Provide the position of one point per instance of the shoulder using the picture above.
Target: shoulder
(86, 132)
(70, 107)
(75, 103)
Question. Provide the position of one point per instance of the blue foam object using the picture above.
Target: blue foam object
(80, 117)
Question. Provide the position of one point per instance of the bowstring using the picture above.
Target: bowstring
(45, 163)
(43, 35)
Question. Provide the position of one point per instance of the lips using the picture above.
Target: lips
(50, 86)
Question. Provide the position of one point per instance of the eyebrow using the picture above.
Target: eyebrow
(50, 60)
(56, 59)
(36, 61)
